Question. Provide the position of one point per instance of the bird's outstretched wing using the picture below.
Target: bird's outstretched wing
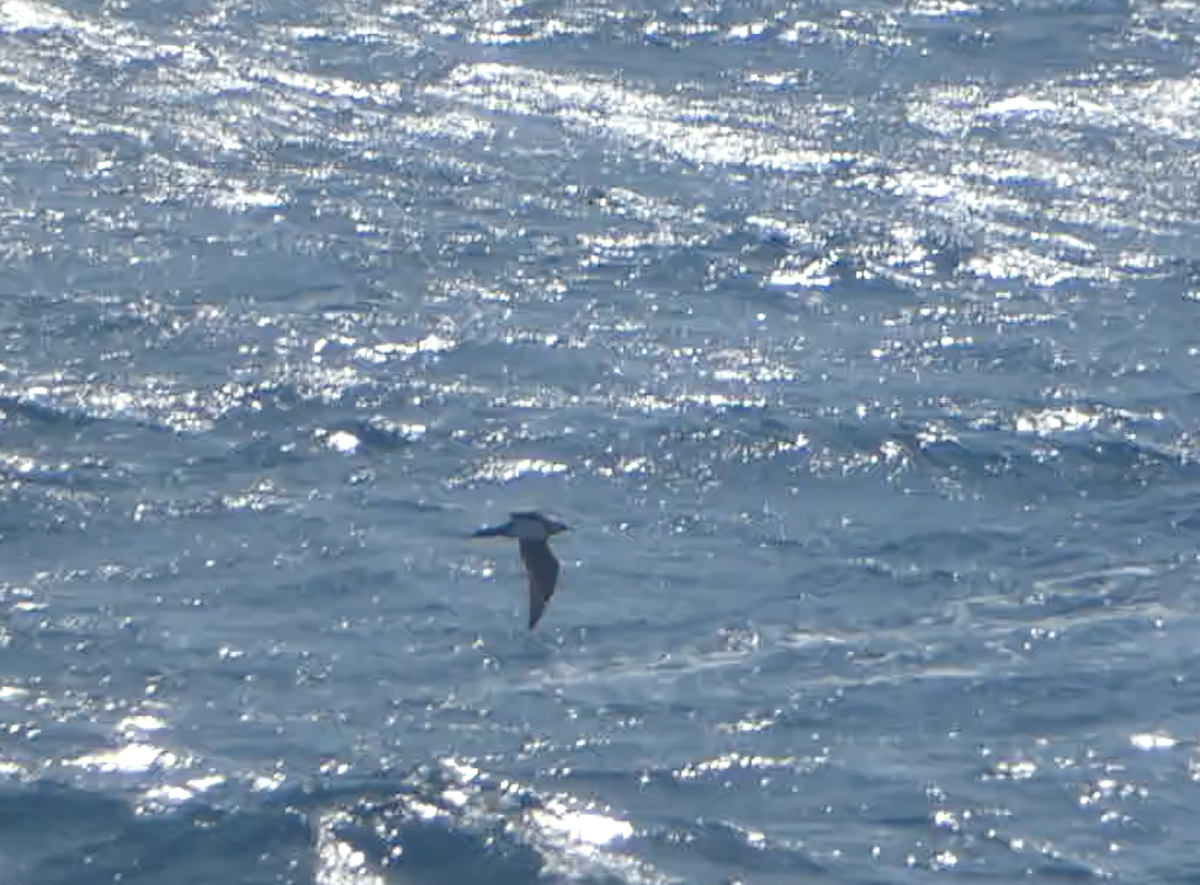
(542, 569)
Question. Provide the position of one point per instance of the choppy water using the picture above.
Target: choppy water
(857, 342)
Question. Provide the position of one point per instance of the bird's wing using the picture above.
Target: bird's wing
(542, 568)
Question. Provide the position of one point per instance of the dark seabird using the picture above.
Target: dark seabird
(533, 532)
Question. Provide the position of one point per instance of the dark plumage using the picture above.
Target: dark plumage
(542, 568)
(532, 531)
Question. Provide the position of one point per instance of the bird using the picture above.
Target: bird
(533, 532)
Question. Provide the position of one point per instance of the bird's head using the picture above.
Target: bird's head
(550, 526)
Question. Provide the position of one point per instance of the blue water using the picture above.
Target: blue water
(859, 344)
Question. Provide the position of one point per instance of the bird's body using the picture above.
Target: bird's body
(533, 532)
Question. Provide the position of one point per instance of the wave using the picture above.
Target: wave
(441, 823)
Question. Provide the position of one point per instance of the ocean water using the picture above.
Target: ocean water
(858, 342)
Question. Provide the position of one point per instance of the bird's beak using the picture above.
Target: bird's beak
(561, 527)
(488, 533)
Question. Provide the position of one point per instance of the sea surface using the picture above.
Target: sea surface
(858, 342)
